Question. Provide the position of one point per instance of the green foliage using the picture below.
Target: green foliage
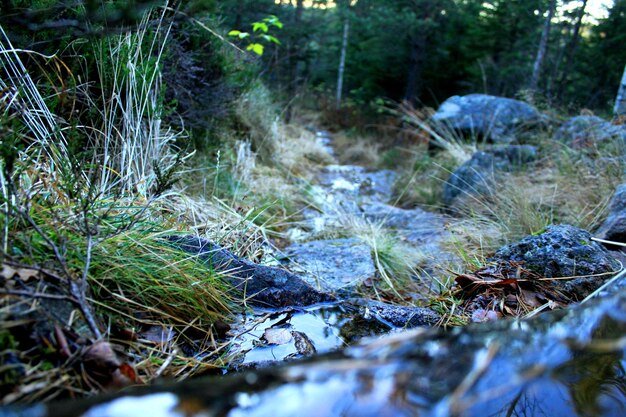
(259, 33)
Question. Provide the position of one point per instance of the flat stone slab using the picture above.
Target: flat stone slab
(416, 226)
(336, 265)
(358, 182)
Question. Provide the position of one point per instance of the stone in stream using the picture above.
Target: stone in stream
(262, 285)
(324, 139)
(416, 226)
(563, 363)
(336, 265)
(358, 182)
(498, 119)
(392, 316)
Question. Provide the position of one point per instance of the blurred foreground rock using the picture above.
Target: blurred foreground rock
(565, 363)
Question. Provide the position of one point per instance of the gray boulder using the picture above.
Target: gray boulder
(338, 265)
(477, 176)
(585, 131)
(262, 285)
(561, 251)
(497, 119)
(614, 227)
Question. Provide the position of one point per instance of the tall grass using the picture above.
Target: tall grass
(21, 96)
(94, 222)
(441, 134)
(136, 271)
(135, 145)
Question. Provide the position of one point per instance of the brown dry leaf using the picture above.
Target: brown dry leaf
(129, 372)
(25, 274)
(277, 336)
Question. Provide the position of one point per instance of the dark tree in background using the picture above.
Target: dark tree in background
(423, 51)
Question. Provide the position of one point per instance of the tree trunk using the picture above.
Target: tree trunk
(415, 69)
(342, 60)
(543, 46)
(426, 12)
(620, 101)
(294, 58)
(570, 49)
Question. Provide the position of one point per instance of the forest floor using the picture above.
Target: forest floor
(356, 216)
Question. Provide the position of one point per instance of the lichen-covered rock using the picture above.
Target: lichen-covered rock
(614, 227)
(565, 252)
(477, 176)
(585, 131)
(262, 285)
(495, 118)
(337, 265)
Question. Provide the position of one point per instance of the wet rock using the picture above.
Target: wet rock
(324, 139)
(337, 265)
(263, 285)
(496, 118)
(397, 316)
(586, 131)
(562, 251)
(341, 191)
(261, 339)
(565, 363)
(477, 176)
(614, 227)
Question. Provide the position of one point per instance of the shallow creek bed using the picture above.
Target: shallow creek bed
(563, 363)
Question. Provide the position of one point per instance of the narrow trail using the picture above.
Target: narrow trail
(341, 246)
(356, 203)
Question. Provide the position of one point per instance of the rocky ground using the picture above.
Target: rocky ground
(358, 266)
(335, 249)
